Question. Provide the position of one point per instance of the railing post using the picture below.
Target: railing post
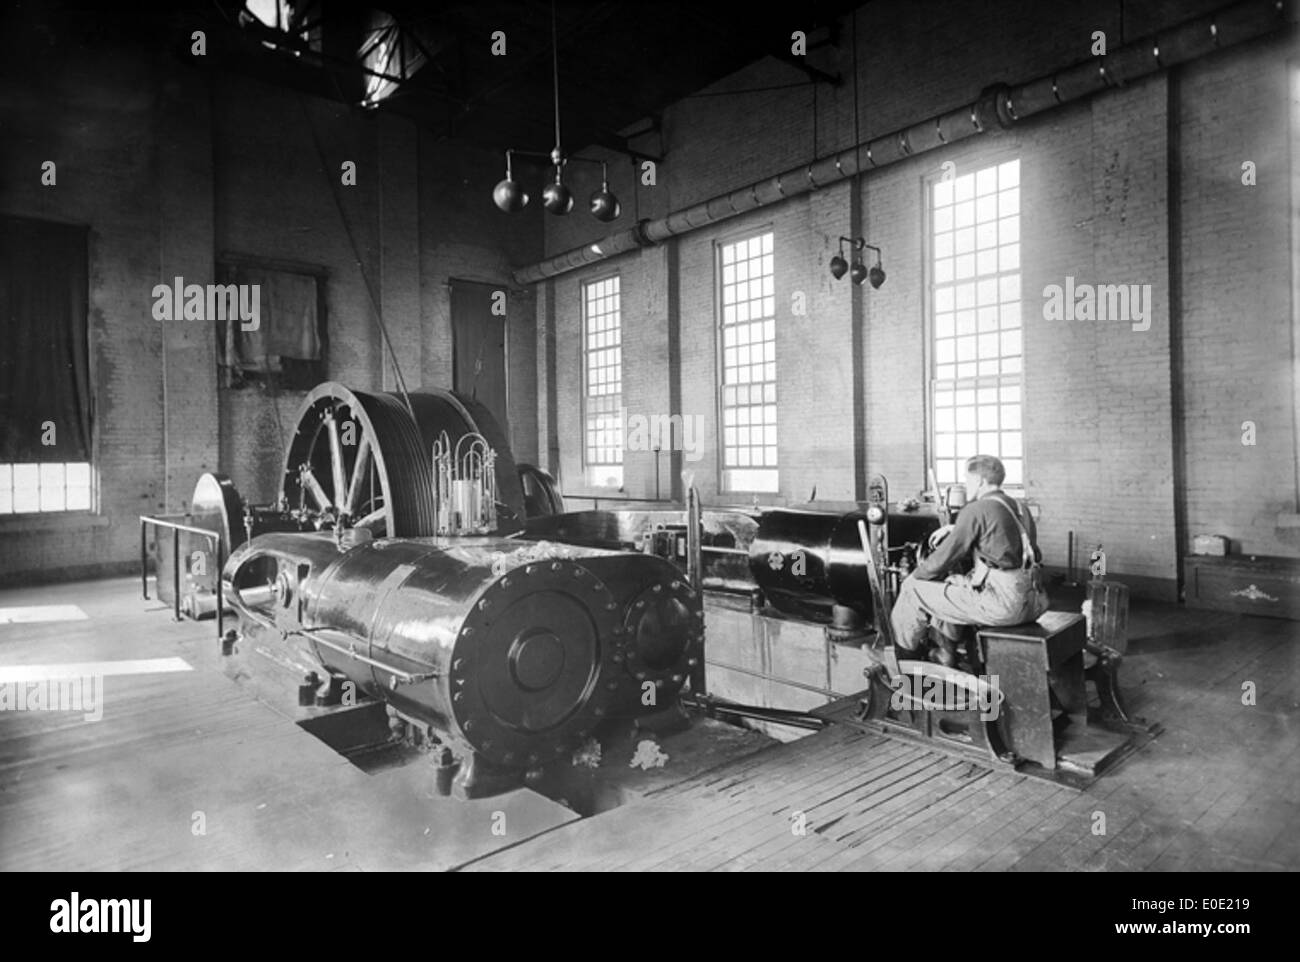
(144, 561)
(221, 601)
(176, 574)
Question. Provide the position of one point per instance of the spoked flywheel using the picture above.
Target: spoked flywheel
(358, 459)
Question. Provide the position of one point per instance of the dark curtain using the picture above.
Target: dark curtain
(287, 320)
(288, 348)
(479, 339)
(44, 354)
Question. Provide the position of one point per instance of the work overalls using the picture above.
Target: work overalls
(986, 596)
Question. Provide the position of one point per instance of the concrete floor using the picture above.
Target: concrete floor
(178, 752)
(206, 769)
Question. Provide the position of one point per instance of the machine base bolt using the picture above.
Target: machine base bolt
(444, 772)
(307, 690)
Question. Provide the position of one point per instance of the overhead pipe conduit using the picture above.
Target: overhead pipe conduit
(998, 107)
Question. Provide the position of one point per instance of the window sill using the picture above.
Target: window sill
(602, 494)
(53, 521)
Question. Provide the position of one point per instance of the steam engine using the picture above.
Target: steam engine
(395, 559)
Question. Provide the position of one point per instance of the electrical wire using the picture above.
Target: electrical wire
(857, 137)
(356, 253)
(555, 74)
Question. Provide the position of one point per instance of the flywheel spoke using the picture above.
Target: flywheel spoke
(360, 473)
(376, 516)
(314, 489)
(336, 458)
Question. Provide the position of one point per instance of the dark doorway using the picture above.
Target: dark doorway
(479, 345)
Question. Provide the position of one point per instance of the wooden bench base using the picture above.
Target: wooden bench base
(1036, 664)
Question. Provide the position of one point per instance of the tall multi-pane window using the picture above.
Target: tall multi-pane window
(748, 365)
(603, 399)
(975, 316)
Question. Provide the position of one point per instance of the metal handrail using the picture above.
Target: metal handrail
(176, 528)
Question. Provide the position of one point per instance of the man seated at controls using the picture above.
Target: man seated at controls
(984, 570)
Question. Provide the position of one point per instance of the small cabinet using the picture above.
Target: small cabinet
(1250, 586)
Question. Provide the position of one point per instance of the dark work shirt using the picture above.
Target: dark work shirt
(982, 530)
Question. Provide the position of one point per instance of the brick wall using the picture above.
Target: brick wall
(171, 168)
(112, 150)
(1238, 337)
(1103, 440)
(463, 235)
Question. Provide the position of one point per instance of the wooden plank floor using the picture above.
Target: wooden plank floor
(1220, 789)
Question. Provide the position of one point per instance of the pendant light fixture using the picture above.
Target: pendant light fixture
(859, 273)
(556, 196)
(604, 205)
(508, 195)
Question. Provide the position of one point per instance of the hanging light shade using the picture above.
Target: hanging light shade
(557, 198)
(604, 205)
(507, 194)
(859, 273)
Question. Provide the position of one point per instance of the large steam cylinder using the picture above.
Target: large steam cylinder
(809, 560)
(517, 659)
